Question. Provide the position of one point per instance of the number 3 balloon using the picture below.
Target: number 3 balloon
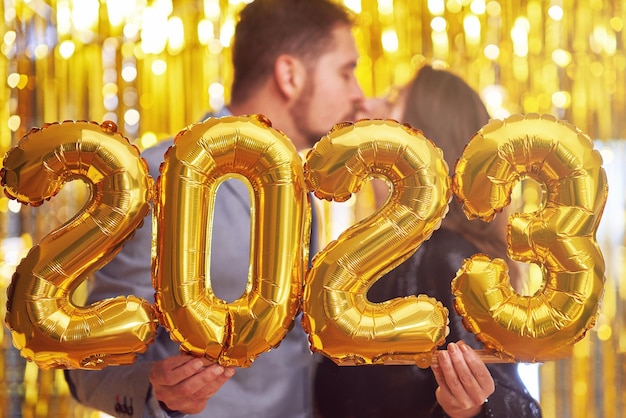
(560, 237)
(46, 326)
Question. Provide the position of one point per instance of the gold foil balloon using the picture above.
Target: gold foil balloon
(560, 237)
(46, 326)
(203, 156)
(342, 323)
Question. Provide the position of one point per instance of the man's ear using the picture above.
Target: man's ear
(290, 75)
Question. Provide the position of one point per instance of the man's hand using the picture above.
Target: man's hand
(185, 383)
(464, 381)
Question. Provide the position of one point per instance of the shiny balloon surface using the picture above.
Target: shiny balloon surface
(47, 327)
(559, 237)
(202, 157)
(342, 323)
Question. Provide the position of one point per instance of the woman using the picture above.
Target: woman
(449, 113)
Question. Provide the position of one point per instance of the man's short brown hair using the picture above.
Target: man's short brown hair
(270, 28)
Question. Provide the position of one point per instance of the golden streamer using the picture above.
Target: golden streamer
(543, 56)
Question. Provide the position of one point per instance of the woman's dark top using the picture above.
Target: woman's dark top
(408, 391)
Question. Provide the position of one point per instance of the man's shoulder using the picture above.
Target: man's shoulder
(155, 154)
(157, 150)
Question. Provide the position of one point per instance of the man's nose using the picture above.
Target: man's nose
(356, 92)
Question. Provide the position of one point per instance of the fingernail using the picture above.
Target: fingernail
(452, 347)
(218, 370)
(465, 348)
(197, 364)
(230, 372)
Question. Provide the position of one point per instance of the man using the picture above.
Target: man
(294, 62)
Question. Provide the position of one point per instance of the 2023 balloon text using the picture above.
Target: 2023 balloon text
(49, 329)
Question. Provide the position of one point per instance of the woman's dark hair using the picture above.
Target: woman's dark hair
(449, 112)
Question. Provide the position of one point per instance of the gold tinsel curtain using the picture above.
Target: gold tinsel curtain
(155, 66)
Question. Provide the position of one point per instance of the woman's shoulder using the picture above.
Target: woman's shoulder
(444, 241)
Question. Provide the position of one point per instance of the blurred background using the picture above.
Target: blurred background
(156, 66)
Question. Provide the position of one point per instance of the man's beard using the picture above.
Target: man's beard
(300, 114)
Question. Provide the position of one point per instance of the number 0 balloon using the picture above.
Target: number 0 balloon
(201, 158)
(560, 237)
(46, 326)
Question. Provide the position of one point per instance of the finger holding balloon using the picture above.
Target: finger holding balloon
(185, 383)
(47, 327)
(464, 380)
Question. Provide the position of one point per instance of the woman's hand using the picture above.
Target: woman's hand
(464, 381)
